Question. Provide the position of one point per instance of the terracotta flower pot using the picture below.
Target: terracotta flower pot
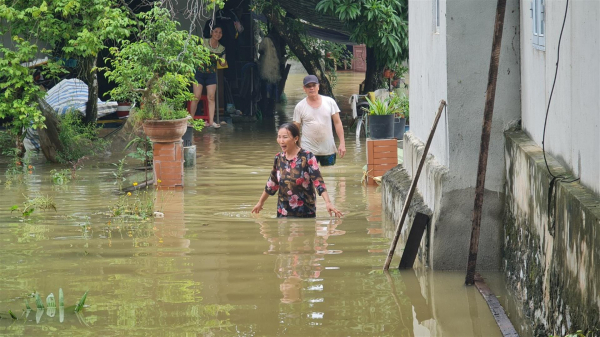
(165, 131)
(388, 73)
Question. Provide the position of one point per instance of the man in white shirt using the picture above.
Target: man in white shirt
(314, 115)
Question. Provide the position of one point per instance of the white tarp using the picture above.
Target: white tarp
(73, 94)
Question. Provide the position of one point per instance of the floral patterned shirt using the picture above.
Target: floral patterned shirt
(296, 181)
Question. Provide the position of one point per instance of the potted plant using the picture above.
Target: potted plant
(399, 104)
(388, 73)
(381, 118)
(397, 72)
(155, 72)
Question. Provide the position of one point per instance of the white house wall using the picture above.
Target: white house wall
(452, 63)
(427, 54)
(572, 133)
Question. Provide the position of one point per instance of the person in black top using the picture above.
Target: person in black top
(208, 75)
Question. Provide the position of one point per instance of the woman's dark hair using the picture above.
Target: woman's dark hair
(293, 129)
(215, 27)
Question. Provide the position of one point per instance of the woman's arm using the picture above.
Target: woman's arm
(270, 189)
(223, 61)
(261, 202)
(330, 208)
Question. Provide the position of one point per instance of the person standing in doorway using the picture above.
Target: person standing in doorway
(207, 77)
(314, 115)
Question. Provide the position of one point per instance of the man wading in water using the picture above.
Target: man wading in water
(313, 115)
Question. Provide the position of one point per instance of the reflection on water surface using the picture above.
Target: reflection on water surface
(209, 267)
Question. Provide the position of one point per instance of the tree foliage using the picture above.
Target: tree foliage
(72, 28)
(332, 55)
(18, 90)
(379, 24)
(293, 33)
(67, 28)
(158, 68)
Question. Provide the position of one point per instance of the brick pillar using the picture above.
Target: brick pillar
(168, 164)
(382, 155)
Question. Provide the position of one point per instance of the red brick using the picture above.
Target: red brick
(168, 164)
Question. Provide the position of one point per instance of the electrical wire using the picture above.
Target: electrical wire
(555, 179)
(550, 100)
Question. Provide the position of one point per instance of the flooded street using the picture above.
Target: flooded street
(211, 268)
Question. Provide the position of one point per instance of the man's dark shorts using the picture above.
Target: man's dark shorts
(328, 160)
(206, 79)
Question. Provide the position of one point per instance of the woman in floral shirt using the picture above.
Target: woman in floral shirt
(295, 176)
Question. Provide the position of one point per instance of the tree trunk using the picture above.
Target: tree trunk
(284, 68)
(20, 145)
(284, 75)
(91, 76)
(49, 141)
(310, 62)
(373, 74)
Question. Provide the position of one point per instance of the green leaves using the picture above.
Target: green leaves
(379, 24)
(378, 107)
(39, 202)
(348, 10)
(20, 92)
(74, 29)
(158, 68)
(51, 306)
(197, 124)
(38, 302)
(61, 298)
(394, 104)
(81, 302)
(326, 6)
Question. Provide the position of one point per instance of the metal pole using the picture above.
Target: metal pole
(217, 99)
(485, 140)
(413, 187)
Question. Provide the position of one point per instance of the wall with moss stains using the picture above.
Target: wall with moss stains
(549, 258)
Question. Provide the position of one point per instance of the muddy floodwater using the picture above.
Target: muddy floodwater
(210, 268)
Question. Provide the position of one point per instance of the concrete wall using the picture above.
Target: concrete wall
(572, 130)
(469, 40)
(452, 63)
(549, 258)
(446, 244)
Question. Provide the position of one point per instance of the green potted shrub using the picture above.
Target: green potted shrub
(399, 104)
(397, 71)
(381, 118)
(155, 72)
